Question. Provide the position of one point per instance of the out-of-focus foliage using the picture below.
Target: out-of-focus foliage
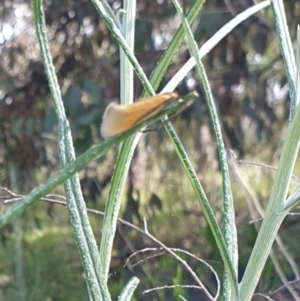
(246, 74)
(245, 71)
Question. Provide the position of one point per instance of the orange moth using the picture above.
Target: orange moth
(119, 118)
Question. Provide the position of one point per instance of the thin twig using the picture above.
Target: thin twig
(233, 157)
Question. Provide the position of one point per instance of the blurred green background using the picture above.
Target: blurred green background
(38, 255)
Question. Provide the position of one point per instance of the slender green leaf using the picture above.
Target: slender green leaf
(286, 49)
(113, 202)
(129, 289)
(229, 251)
